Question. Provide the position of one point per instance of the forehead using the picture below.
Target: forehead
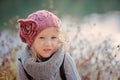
(49, 31)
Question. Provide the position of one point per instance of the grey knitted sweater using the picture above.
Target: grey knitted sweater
(47, 70)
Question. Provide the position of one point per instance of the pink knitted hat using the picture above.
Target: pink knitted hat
(29, 28)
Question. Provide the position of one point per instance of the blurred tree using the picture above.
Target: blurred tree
(79, 8)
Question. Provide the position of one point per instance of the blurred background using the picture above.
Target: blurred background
(77, 8)
(93, 27)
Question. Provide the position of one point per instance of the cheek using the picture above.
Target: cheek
(37, 45)
(56, 44)
(38, 48)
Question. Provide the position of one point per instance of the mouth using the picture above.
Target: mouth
(47, 50)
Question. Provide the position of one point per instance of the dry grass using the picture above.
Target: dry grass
(94, 54)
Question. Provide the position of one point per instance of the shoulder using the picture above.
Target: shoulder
(68, 58)
(70, 68)
(69, 61)
(19, 63)
(25, 53)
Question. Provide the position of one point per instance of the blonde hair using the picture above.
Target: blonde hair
(63, 40)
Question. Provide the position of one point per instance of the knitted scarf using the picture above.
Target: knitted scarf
(42, 70)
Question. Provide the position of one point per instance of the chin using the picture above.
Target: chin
(45, 58)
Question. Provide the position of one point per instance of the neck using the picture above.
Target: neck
(40, 58)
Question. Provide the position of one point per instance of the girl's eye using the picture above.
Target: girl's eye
(53, 37)
(41, 37)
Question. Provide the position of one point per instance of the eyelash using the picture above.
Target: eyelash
(53, 37)
(41, 37)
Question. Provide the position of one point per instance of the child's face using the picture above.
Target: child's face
(47, 42)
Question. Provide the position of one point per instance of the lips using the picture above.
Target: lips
(47, 50)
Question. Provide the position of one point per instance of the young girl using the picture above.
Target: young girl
(44, 57)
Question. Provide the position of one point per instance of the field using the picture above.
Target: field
(94, 44)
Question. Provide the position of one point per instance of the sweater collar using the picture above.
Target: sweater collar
(42, 70)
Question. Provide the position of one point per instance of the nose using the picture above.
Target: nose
(48, 43)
